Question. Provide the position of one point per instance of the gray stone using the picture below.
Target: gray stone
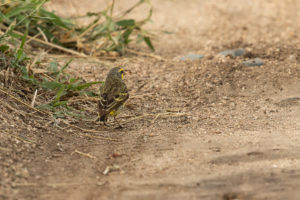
(192, 57)
(253, 62)
(233, 52)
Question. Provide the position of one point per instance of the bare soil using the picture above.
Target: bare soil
(197, 129)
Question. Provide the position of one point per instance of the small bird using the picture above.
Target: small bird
(113, 94)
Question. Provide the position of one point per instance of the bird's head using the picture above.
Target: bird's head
(116, 71)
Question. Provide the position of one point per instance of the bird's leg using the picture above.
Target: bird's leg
(99, 114)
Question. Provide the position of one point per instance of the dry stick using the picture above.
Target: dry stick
(87, 30)
(14, 109)
(29, 106)
(90, 58)
(83, 34)
(34, 97)
(85, 154)
(29, 66)
(6, 76)
(145, 54)
(99, 137)
(54, 185)
(167, 114)
(32, 38)
(121, 15)
(138, 117)
(43, 34)
(22, 112)
(90, 131)
(45, 75)
(156, 117)
(82, 129)
(19, 138)
(92, 99)
(54, 46)
(4, 149)
(24, 184)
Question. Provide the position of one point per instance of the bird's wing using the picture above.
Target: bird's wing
(112, 98)
(118, 101)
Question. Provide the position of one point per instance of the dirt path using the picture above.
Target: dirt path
(230, 132)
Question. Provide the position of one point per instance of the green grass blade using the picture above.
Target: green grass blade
(51, 85)
(126, 22)
(148, 42)
(4, 48)
(55, 19)
(62, 70)
(21, 48)
(20, 10)
(60, 93)
(85, 85)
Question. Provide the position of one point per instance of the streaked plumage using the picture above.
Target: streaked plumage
(113, 94)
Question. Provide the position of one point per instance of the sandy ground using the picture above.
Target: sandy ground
(233, 133)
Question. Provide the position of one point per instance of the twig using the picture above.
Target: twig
(145, 54)
(90, 58)
(52, 45)
(99, 137)
(121, 15)
(92, 99)
(54, 185)
(107, 169)
(29, 66)
(138, 117)
(85, 154)
(89, 131)
(166, 114)
(24, 140)
(14, 109)
(24, 184)
(29, 106)
(88, 29)
(32, 37)
(21, 112)
(60, 48)
(49, 77)
(156, 117)
(4, 149)
(43, 34)
(82, 129)
(6, 76)
(34, 97)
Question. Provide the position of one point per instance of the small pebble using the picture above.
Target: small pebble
(233, 52)
(253, 62)
(192, 57)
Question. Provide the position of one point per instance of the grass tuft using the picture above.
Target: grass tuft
(27, 24)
